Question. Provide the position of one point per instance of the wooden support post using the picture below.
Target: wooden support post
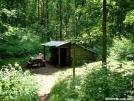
(59, 62)
(44, 53)
(73, 63)
(69, 54)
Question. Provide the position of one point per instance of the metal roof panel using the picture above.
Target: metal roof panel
(55, 43)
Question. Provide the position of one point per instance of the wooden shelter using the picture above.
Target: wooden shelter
(62, 52)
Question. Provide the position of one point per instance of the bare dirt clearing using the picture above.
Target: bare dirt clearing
(46, 77)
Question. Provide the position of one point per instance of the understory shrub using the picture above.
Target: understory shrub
(95, 85)
(16, 85)
(122, 49)
(19, 43)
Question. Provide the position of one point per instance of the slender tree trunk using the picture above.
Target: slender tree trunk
(76, 4)
(35, 8)
(104, 53)
(24, 16)
(57, 15)
(42, 12)
(47, 21)
(66, 29)
(121, 21)
(38, 9)
(60, 3)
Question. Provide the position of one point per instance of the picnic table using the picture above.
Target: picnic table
(35, 61)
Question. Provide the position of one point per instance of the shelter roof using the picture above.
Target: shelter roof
(55, 43)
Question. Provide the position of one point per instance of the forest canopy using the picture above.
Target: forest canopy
(27, 23)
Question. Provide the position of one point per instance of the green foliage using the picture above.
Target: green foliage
(16, 85)
(19, 43)
(129, 18)
(81, 20)
(104, 84)
(65, 90)
(24, 24)
(94, 85)
(8, 13)
(122, 49)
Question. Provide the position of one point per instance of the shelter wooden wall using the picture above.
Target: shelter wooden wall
(66, 53)
(81, 53)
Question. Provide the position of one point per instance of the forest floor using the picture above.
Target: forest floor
(46, 77)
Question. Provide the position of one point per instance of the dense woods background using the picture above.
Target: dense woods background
(24, 24)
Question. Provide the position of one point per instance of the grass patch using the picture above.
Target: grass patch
(13, 60)
(92, 83)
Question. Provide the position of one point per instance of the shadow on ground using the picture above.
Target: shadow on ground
(49, 69)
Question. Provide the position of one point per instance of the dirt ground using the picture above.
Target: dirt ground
(46, 77)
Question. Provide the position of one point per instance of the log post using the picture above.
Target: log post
(59, 62)
(44, 53)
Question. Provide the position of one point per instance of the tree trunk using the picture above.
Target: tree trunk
(104, 53)
(57, 18)
(38, 9)
(60, 3)
(47, 21)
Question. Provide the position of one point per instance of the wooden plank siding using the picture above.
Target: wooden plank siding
(81, 53)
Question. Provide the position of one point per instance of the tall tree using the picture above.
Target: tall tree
(104, 53)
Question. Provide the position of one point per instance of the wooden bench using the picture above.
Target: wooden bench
(36, 62)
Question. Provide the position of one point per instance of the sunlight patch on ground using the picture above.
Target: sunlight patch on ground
(78, 70)
(45, 83)
(113, 66)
